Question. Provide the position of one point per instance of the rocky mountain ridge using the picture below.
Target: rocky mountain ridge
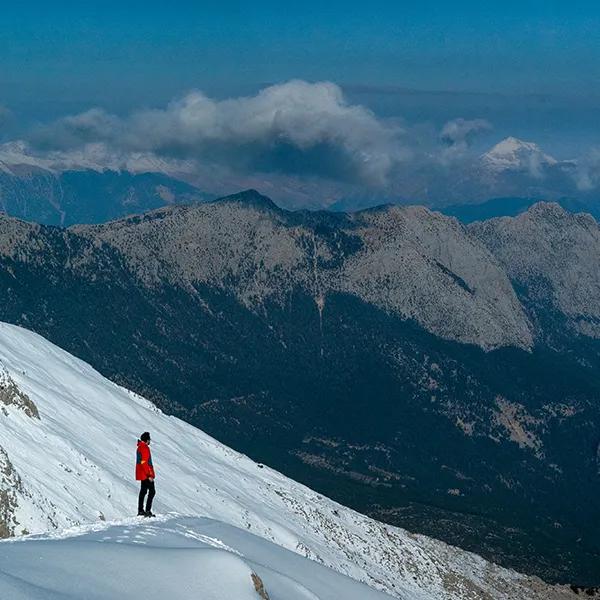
(411, 261)
(555, 256)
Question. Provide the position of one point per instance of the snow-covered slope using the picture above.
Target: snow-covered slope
(175, 557)
(67, 442)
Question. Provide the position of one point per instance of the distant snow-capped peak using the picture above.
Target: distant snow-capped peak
(514, 154)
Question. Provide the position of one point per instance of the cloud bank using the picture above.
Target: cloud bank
(459, 132)
(297, 127)
(305, 144)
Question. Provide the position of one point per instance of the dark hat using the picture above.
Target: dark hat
(145, 437)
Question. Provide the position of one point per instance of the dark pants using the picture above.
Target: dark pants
(146, 488)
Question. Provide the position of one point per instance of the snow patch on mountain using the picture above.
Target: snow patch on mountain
(175, 557)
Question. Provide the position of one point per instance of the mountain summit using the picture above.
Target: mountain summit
(514, 154)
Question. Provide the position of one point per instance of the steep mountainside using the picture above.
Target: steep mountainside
(393, 358)
(68, 440)
(406, 261)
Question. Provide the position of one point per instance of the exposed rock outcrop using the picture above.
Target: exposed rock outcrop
(10, 486)
(12, 396)
(259, 586)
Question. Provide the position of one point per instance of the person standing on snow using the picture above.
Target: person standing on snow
(144, 472)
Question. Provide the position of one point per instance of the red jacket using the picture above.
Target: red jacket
(143, 463)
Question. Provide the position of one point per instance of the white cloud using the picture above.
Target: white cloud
(456, 136)
(93, 125)
(586, 173)
(296, 125)
(461, 130)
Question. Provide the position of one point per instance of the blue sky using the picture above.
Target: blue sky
(531, 68)
(59, 57)
(128, 52)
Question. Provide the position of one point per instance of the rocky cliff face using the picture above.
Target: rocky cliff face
(427, 267)
(12, 396)
(10, 488)
(436, 376)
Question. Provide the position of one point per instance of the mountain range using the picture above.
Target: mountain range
(81, 191)
(437, 376)
(512, 168)
(96, 184)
